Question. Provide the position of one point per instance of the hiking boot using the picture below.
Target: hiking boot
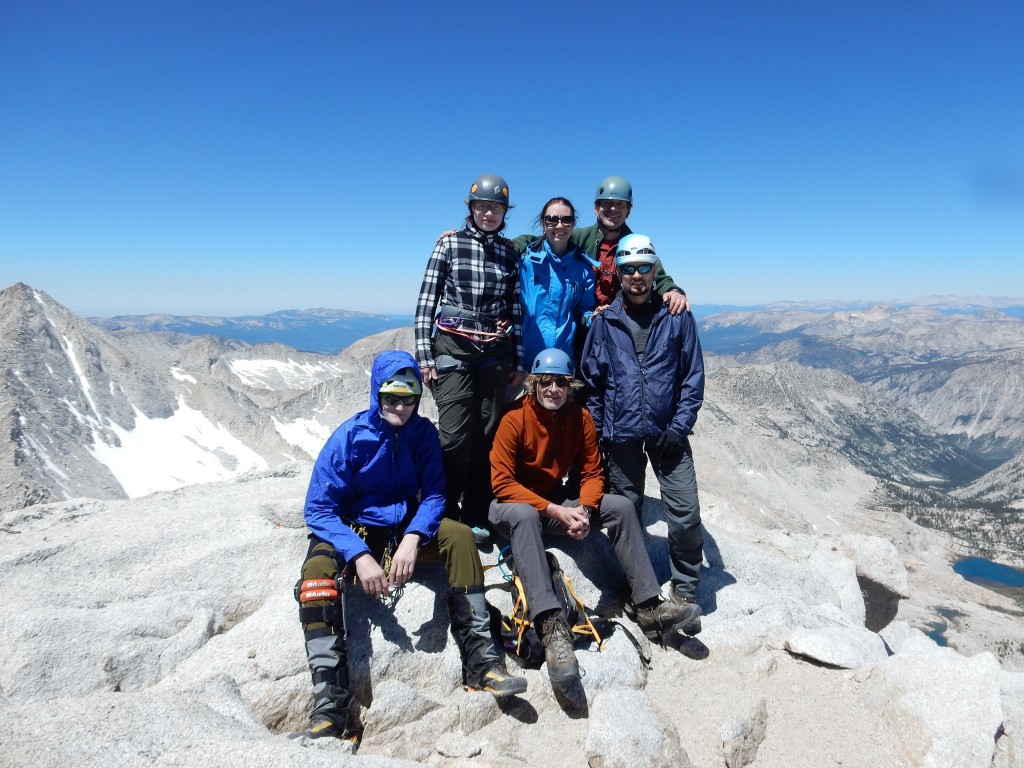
(558, 652)
(325, 729)
(692, 626)
(500, 683)
(658, 616)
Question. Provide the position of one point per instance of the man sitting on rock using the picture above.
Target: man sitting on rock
(375, 505)
(540, 437)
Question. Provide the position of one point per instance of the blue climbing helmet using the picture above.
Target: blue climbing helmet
(553, 361)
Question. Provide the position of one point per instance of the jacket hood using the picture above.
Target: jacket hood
(387, 364)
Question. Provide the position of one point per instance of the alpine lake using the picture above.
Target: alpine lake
(1004, 579)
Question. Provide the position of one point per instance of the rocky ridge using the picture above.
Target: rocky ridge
(809, 655)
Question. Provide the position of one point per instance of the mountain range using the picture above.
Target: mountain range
(153, 486)
(922, 401)
(327, 331)
(151, 531)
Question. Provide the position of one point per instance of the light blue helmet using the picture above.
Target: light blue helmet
(553, 361)
(635, 249)
(614, 188)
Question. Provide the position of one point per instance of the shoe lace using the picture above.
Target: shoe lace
(556, 637)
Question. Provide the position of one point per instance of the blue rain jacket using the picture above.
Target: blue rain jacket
(629, 400)
(369, 473)
(557, 294)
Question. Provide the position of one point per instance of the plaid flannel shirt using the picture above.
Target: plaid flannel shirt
(474, 271)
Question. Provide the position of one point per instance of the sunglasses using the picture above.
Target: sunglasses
(393, 400)
(560, 381)
(629, 269)
(553, 221)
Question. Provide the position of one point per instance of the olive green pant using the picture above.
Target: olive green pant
(454, 546)
(323, 621)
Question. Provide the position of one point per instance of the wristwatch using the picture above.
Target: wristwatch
(591, 511)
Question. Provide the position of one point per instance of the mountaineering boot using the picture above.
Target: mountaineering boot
(324, 729)
(656, 616)
(691, 626)
(471, 627)
(500, 683)
(558, 652)
(335, 711)
(332, 713)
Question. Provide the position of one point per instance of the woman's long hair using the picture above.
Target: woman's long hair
(539, 221)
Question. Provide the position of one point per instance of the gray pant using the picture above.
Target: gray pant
(525, 528)
(627, 467)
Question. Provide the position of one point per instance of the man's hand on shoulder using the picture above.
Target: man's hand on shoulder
(676, 301)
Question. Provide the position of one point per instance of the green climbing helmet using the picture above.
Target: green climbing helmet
(614, 188)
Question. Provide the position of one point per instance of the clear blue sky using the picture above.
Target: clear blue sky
(240, 156)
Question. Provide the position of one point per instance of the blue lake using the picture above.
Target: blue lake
(978, 570)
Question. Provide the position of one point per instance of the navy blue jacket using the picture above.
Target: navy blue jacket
(629, 401)
(368, 472)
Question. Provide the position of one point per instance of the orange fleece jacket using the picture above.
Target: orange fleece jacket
(534, 449)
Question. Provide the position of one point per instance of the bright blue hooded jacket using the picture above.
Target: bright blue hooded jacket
(628, 400)
(369, 473)
(557, 293)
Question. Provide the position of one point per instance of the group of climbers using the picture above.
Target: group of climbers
(594, 314)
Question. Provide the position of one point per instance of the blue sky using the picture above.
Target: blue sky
(241, 157)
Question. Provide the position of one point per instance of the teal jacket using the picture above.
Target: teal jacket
(557, 294)
(588, 240)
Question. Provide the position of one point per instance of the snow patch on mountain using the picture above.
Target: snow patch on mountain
(191, 449)
(307, 434)
(180, 375)
(283, 374)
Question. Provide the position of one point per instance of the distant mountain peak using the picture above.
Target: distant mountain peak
(327, 331)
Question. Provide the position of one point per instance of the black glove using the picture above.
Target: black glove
(670, 445)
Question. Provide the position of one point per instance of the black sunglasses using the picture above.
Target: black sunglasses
(393, 400)
(568, 221)
(629, 269)
(560, 381)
